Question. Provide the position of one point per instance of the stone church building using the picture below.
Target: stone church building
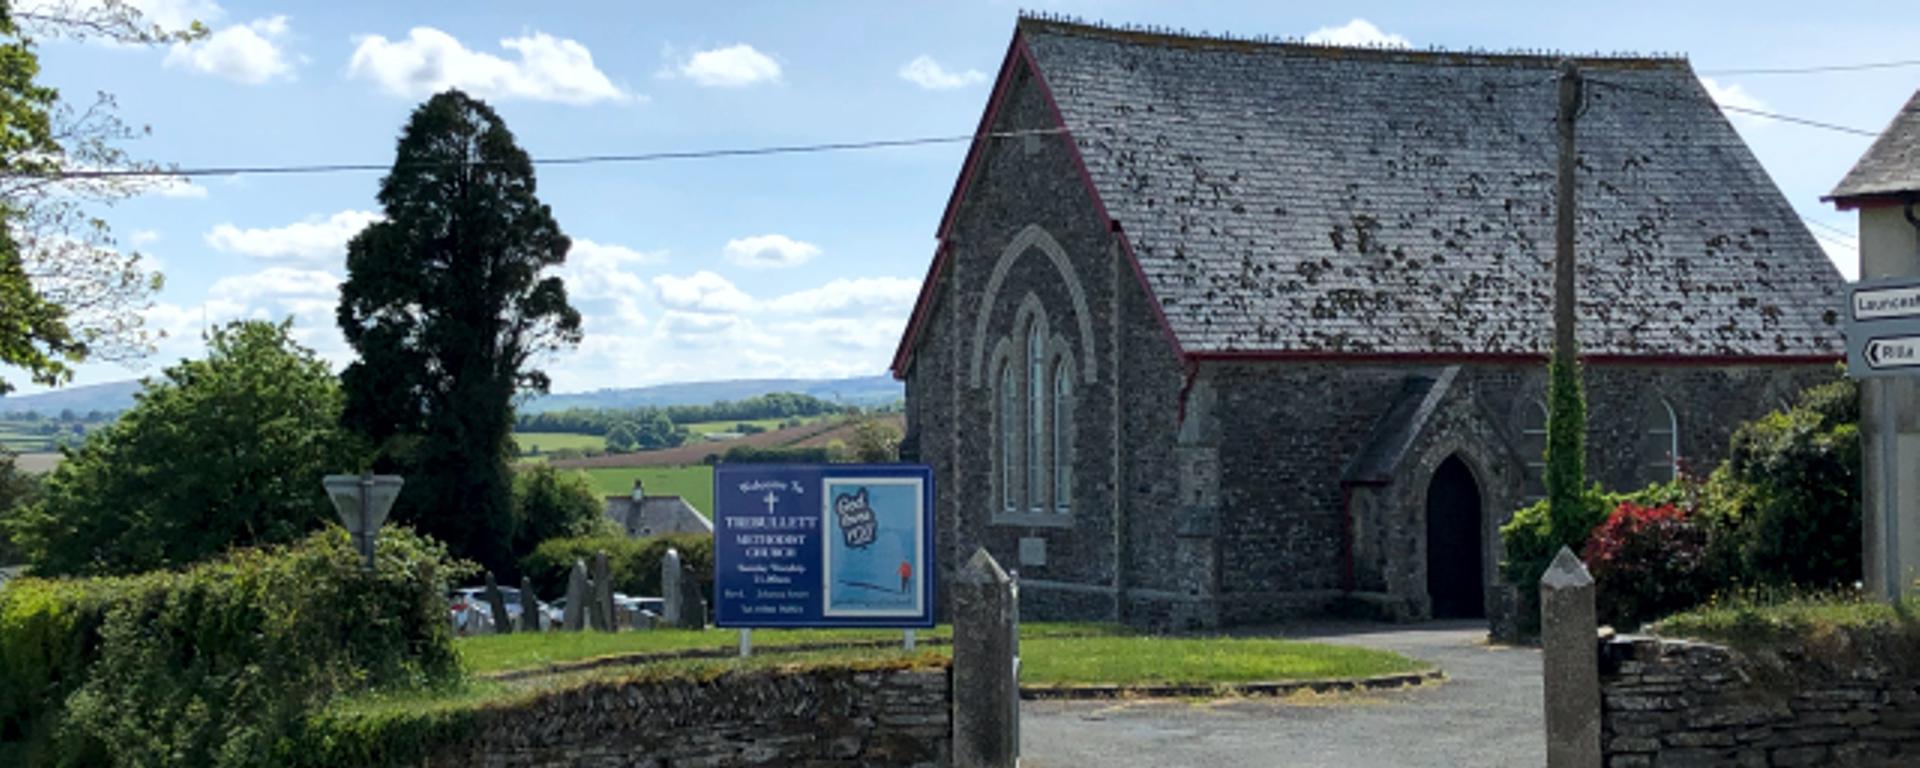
(1223, 331)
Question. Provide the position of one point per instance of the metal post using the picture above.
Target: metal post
(366, 517)
(746, 642)
(907, 643)
(1889, 492)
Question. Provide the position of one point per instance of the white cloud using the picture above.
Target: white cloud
(1358, 32)
(247, 53)
(279, 283)
(311, 240)
(923, 71)
(848, 296)
(762, 251)
(734, 66)
(702, 291)
(429, 61)
(1733, 95)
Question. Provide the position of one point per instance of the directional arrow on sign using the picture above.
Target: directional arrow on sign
(1891, 353)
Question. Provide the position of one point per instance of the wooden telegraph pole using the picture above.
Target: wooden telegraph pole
(1563, 292)
(1566, 406)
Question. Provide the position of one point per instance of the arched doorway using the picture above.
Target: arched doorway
(1454, 543)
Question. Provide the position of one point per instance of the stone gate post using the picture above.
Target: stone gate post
(1570, 663)
(986, 690)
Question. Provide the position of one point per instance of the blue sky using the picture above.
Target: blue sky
(771, 266)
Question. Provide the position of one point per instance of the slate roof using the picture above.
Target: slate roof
(656, 516)
(1308, 199)
(1892, 165)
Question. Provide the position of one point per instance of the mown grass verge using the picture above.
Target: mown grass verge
(492, 654)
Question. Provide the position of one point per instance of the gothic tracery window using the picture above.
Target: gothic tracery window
(1062, 437)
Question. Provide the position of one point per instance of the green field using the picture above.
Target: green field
(695, 484)
(549, 442)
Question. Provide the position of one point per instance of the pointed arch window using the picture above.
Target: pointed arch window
(1533, 448)
(1660, 441)
(1009, 427)
(1062, 437)
(1036, 416)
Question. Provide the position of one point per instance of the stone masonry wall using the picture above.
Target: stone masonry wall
(816, 717)
(1677, 703)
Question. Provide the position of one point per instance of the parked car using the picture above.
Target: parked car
(467, 608)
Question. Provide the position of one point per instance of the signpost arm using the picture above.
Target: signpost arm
(1889, 492)
(366, 518)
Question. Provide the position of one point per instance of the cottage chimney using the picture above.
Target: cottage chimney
(639, 491)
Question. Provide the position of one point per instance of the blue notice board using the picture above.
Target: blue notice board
(823, 545)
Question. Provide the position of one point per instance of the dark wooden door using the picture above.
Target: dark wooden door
(1454, 543)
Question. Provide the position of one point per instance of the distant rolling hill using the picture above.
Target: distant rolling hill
(109, 397)
(861, 390)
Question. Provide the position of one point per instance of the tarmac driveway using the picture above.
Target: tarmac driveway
(1487, 713)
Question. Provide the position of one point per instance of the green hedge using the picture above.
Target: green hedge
(635, 562)
(219, 664)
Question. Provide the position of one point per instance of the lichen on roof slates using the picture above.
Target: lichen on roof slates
(1301, 198)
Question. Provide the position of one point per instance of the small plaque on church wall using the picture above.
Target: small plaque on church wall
(1033, 551)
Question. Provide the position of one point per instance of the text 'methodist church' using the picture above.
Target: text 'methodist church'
(1222, 331)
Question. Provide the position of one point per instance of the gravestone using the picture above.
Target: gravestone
(502, 621)
(602, 593)
(986, 686)
(530, 618)
(670, 590)
(1570, 663)
(693, 604)
(576, 614)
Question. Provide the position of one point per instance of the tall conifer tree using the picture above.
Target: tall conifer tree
(447, 305)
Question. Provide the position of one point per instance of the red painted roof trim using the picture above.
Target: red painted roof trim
(1512, 358)
(1017, 53)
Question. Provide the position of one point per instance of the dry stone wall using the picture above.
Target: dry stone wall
(1852, 701)
(814, 717)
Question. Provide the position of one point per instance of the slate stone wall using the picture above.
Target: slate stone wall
(1676, 703)
(820, 717)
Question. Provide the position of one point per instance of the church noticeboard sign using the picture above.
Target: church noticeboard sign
(823, 545)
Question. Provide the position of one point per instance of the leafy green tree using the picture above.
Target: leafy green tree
(874, 441)
(622, 437)
(67, 293)
(18, 490)
(1785, 505)
(447, 305)
(551, 504)
(657, 431)
(216, 453)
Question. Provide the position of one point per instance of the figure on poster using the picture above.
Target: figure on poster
(875, 545)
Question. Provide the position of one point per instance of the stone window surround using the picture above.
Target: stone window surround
(1011, 359)
(1668, 429)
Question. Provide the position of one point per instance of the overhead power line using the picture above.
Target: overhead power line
(1742, 110)
(643, 157)
(1830, 228)
(1812, 70)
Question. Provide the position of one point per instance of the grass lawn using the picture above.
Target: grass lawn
(1146, 660)
(695, 484)
(1051, 653)
(549, 442)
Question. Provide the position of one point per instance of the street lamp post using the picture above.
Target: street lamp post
(363, 501)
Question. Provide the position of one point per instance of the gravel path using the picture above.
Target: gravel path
(1487, 713)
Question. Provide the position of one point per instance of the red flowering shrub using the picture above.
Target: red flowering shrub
(1647, 562)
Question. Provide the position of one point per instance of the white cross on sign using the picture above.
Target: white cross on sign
(770, 499)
